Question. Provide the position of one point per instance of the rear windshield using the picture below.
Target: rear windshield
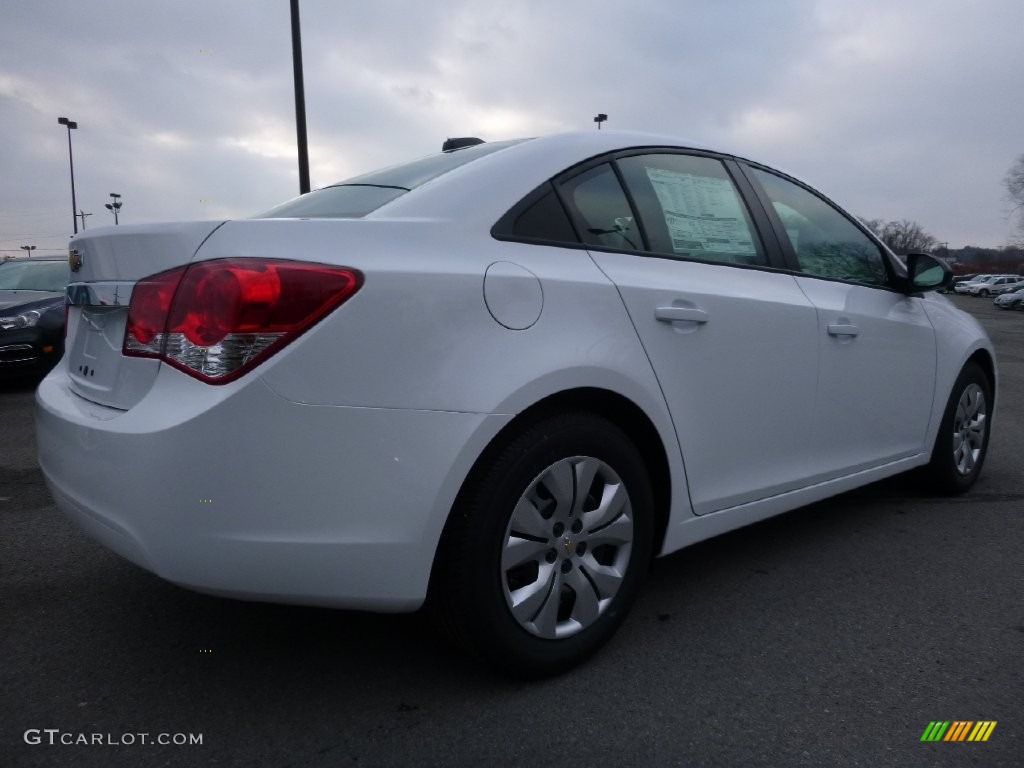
(358, 196)
(49, 276)
(344, 201)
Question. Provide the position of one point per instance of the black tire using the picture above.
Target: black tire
(983, 293)
(472, 592)
(959, 451)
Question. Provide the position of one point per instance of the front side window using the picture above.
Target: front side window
(826, 243)
(691, 208)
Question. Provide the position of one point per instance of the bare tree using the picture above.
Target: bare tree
(902, 236)
(875, 225)
(907, 237)
(1014, 181)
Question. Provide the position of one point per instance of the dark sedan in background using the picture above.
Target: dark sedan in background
(31, 315)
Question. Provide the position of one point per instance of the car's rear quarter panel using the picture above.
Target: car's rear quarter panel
(418, 334)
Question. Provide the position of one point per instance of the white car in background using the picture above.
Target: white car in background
(499, 380)
(1013, 283)
(989, 286)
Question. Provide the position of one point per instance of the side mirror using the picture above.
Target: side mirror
(927, 273)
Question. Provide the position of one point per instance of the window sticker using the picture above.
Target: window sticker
(702, 213)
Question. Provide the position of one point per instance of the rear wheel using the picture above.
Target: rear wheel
(962, 442)
(546, 547)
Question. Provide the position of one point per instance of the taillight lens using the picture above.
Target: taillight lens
(216, 320)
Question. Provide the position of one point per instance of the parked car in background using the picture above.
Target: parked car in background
(961, 279)
(986, 286)
(1008, 286)
(1011, 300)
(31, 314)
(497, 381)
(960, 286)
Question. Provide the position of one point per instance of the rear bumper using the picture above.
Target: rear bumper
(321, 505)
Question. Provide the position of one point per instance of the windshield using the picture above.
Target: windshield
(361, 195)
(50, 276)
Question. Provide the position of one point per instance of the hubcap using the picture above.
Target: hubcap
(566, 547)
(969, 426)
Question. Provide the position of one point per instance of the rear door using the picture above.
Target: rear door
(732, 341)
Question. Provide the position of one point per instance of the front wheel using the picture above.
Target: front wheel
(983, 293)
(546, 547)
(962, 442)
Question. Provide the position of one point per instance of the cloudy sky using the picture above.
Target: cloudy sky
(895, 108)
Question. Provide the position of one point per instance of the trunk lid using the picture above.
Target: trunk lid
(112, 260)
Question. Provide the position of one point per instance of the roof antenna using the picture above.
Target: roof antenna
(601, 117)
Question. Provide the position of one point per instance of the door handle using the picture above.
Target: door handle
(842, 329)
(674, 314)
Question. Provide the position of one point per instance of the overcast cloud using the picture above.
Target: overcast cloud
(896, 109)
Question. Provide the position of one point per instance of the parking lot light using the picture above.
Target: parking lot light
(70, 125)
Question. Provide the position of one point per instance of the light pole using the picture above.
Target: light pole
(113, 207)
(300, 100)
(28, 249)
(71, 124)
(82, 214)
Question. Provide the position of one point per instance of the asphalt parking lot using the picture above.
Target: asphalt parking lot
(831, 636)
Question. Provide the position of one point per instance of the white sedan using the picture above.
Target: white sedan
(498, 381)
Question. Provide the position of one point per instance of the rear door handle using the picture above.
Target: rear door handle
(673, 314)
(842, 329)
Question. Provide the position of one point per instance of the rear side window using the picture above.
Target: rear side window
(603, 212)
(826, 243)
(691, 208)
(544, 219)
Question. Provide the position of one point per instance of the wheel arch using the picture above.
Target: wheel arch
(983, 359)
(619, 410)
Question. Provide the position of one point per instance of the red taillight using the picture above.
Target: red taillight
(151, 302)
(216, 320)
